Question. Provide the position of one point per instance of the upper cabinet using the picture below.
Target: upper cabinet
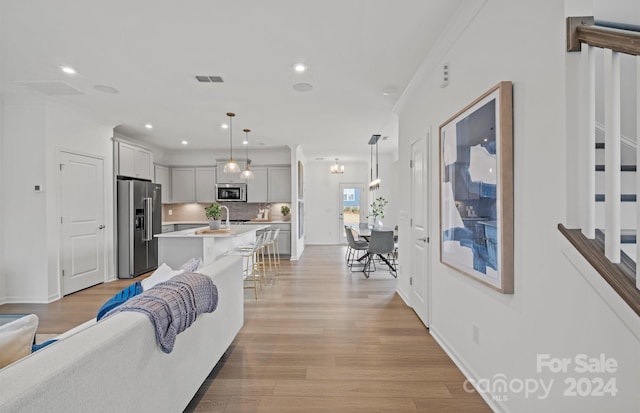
(193, 184)
(258, 187)
(134, 161)
(280, 184)
(206, 184)
(183, 185)
(163, 177)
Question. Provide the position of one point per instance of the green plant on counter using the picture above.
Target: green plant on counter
(213, 211)
(377, 207)
(285, 210)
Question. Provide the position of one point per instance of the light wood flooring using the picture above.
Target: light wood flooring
(319, 339)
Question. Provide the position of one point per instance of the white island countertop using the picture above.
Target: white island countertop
(235, 231)
(176, 248)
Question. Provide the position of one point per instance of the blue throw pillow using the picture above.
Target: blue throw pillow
(37, 347)
(122, 296)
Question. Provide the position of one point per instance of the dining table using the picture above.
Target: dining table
(365, 232)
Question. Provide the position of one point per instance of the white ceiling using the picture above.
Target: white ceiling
(151, 50)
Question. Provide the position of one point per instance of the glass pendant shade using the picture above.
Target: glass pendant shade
(231, 167)
(246, 174)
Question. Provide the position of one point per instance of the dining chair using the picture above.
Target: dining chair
(381, 244)
(353, 248)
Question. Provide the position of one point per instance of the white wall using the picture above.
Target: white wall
(322, 198)
(34, 130)
(553, 310)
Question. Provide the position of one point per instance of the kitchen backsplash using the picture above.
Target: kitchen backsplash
(237, 210)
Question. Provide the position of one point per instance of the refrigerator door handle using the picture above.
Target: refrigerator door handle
(148, 219)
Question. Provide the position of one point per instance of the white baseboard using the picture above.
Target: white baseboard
(28, 300)
(465, 369)
(403, 296)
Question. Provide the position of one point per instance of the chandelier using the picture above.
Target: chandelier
(337, 169)
(231, 167)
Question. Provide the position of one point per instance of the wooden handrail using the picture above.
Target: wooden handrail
(582, 30)
(613, 274)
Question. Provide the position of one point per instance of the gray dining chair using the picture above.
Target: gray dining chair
(354, 248)
(382, 246)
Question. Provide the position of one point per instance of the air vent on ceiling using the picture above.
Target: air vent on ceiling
(52, 88)
(209, 79)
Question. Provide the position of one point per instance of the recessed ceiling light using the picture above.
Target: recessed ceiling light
(224, 126)
(389, 91)
(245, 142)
(68, 70)
(184, 142)
(302, 87)
(299, 67)
(106, 89)
(148, 126)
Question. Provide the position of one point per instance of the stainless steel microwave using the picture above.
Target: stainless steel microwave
(231, 192)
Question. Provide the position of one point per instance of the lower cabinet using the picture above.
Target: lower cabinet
(284, 242)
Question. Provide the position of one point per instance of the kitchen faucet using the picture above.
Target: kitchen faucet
(226, 224)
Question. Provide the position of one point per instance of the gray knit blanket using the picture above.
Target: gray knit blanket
(174, 305)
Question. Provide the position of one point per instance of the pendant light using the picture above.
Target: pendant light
(375, 183)
(231, 167)
(337, 169)
(247, 174)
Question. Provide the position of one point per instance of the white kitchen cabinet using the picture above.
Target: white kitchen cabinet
(205, 184)
(284, 242)
(134, 161)
(163, 177)
(258, 187)
(183, 185)
(280, 184)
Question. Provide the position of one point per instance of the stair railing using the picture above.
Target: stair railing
(586, 35)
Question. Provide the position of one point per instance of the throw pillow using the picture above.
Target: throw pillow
(192, 265)
(120, 297)
(163, 273)
(16, 339)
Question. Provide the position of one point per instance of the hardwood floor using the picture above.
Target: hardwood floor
(320, 339)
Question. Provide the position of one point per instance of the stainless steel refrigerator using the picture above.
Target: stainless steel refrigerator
(139, 219)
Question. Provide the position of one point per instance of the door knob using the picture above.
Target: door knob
(423, 239)
(101, 227)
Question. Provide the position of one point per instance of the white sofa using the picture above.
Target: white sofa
(117, 366)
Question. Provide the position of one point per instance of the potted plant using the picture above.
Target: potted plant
(213, 212)
(285, 210)
(377, 210)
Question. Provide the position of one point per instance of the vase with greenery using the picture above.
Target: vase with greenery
(377, 210)
(213, 212)
(285, 211)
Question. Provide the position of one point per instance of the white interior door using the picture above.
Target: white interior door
(419, 231)
(352, 207)
(82, 221)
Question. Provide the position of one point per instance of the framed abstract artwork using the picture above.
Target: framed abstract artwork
(476, 189)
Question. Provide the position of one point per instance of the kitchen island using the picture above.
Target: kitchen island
(176, 248)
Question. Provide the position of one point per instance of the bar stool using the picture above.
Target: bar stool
(262, 260)
(251, 272)
(276, 250)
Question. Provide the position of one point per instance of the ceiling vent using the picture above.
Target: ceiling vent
(209, 79)
(52, 88)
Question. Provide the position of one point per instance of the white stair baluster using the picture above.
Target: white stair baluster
(588, 140)
(612, 155)
(637, 158)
